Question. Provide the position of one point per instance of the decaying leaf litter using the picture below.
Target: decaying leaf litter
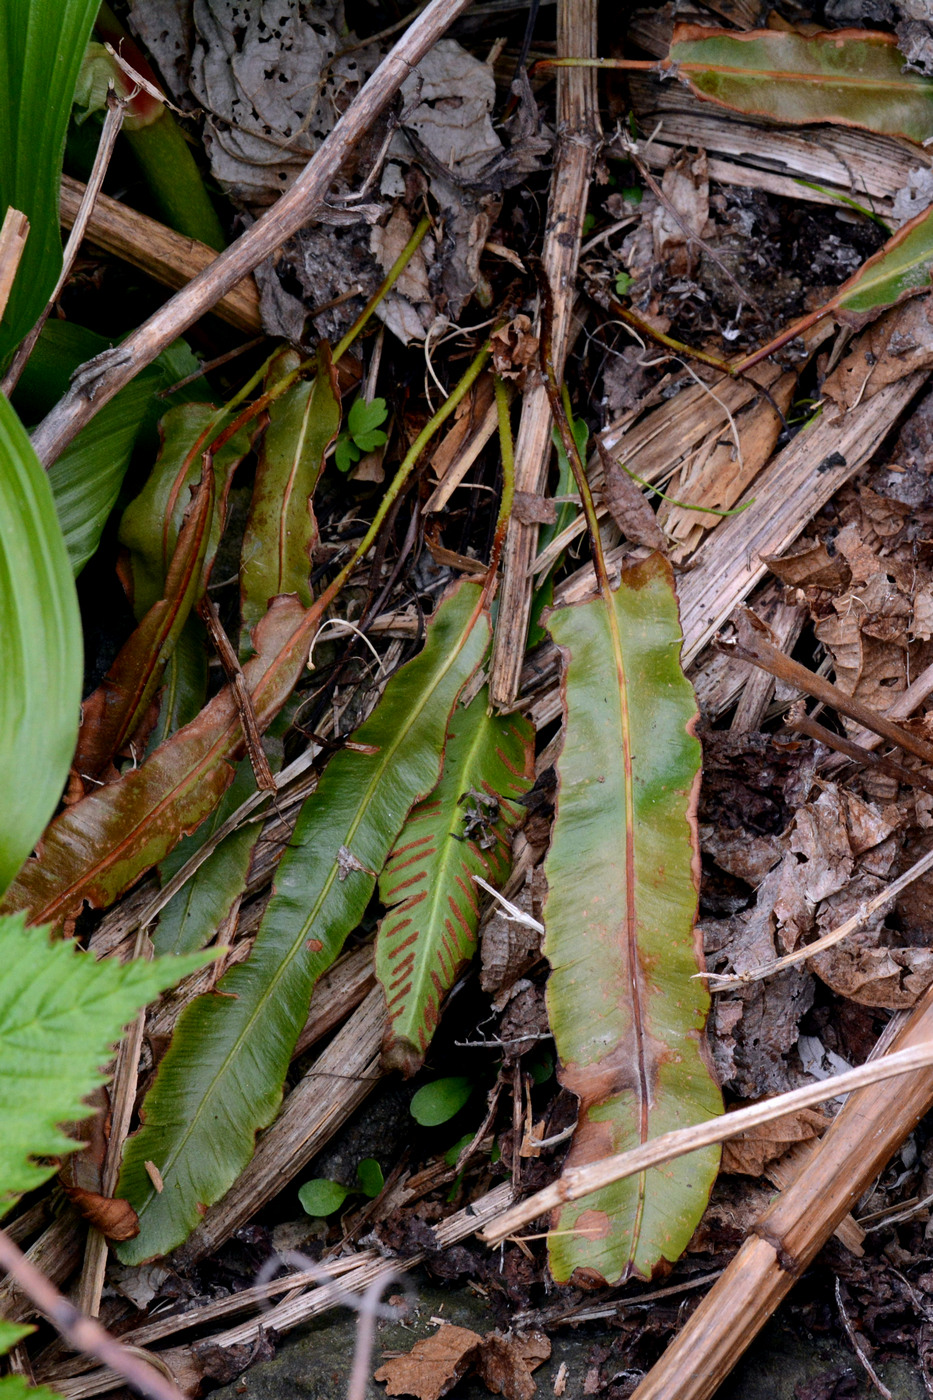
(591, 263)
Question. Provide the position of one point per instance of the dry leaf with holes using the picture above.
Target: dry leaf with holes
(685, 186)
(895, 345)
(514, 349)
(435, 1365)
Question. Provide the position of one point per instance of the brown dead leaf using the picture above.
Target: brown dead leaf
(433, 1366)
(626, 503)
(753, 1151)
(686, 189)
(110, 1215)
(504, 1362)
(897, 343)
(514, 349)
(810, 565)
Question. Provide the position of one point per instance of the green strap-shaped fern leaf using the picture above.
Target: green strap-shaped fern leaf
(222, 1078)
(460, 831)
(60, 1013)
(625, 1007)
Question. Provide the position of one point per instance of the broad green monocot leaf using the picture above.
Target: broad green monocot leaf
(852, 76)
(221, 1080)
(461, 830)
(40, 678)
(42, 45)
(61, 1011)
(281, 530)
(87, 477)
(625, 1008)
(900, 269)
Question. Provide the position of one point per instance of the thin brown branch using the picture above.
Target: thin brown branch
(754, 646)
(234, 673)
(798, 723)
(83, 1333)
(104, 377)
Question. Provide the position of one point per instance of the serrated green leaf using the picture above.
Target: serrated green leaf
(61, 1011)
(18, 1388)
(42, 43)
(625, 1007)
(40, 679)
(221, 1080)
(430, 931)
(13, 1332)
(855, 77)
(441, 1100)
(281, 529)
(321, 1197)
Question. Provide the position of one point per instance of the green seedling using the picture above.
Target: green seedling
(439, 1101)
(363, 432)
(322, 1197)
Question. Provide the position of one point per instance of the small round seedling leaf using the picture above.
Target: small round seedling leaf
(369, 1175)
(452, 1153)
(436, 1103)
(322, 1197)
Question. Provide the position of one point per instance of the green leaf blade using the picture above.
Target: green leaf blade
(221, 1080)
(42, 45)
(429, 932)
(281, 530)
(40, 680)
(626, 1010)
(851, 77)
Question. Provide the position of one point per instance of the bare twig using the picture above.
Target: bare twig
(797, 723)
(857, 1347)
(577, 1182)
(81, 1332)
(234, 673)
(106, 377)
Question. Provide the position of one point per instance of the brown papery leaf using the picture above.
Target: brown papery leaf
(110, 1215)
(756, 1149)
(627, 505)
(433, 1366)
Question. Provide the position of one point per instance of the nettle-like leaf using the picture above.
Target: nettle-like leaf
(855, 77)
(625, 1007)
(222, 1078)
(42, 44)
(461, 830)
(281, 530)
(61, 1011)
(40, 678)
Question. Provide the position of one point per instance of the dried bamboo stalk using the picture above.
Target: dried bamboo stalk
(789, 492)
(108, 375)
(578, 131)
(164, 255)
(858, 1144)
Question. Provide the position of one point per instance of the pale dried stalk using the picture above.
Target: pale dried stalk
(290, 213)
(164, 255)
(722, 983)
(13, 234)
(857, 1145)
(577, 1182)
(578, 130)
